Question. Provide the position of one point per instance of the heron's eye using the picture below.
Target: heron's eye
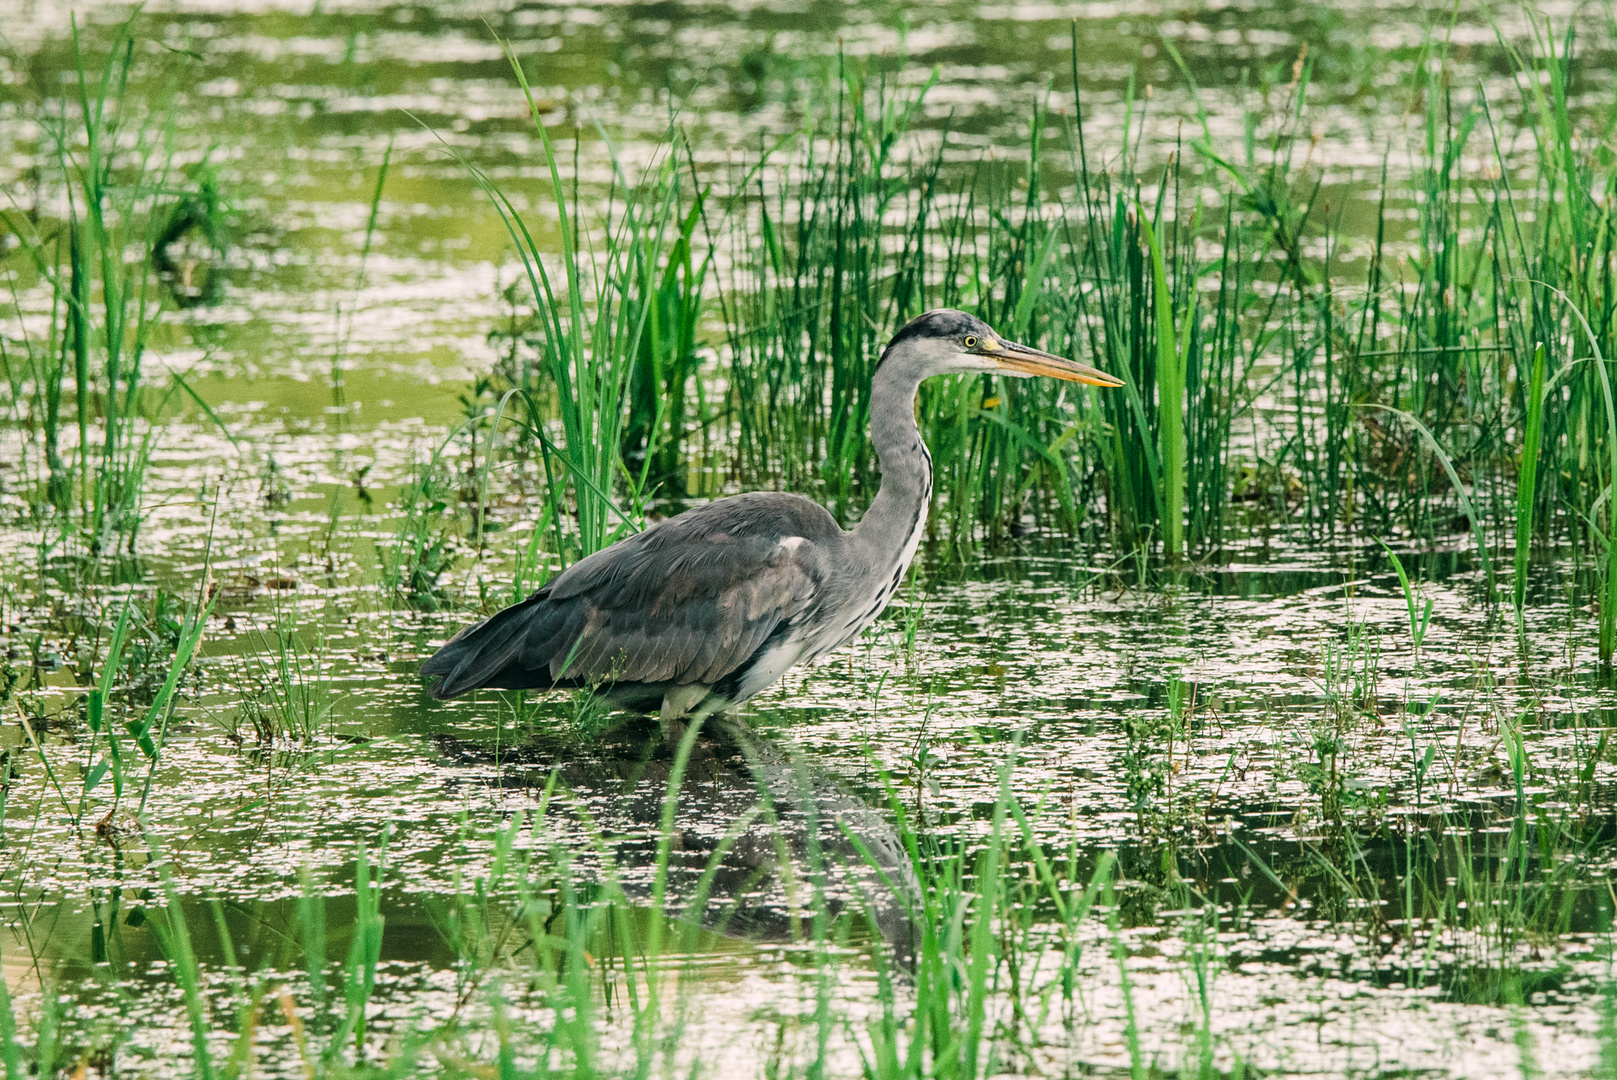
(970, 342)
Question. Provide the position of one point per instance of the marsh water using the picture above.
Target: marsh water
(1194, 722)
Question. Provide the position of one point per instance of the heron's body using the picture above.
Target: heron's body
(702, 611)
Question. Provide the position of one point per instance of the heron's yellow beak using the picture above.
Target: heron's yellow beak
(1030, 361)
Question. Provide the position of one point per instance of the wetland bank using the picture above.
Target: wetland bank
(1253, 720)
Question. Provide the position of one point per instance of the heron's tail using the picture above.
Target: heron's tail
(510, 650)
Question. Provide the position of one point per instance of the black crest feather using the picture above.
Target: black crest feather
(941, 323)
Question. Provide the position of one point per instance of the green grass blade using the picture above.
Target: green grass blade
(1527, 477)
(1170, 400)
(10, 1052)
(174, 937)
(190, 391)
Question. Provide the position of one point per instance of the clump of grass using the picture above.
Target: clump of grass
(84, 385)
(287, 696)
(616, 331)
(423, 547)
(816, 286)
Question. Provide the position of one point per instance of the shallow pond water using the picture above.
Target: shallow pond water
(1230, 732)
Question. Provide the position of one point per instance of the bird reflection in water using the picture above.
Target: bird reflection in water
(787, 825)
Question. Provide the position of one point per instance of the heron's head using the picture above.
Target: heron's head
(943, 342)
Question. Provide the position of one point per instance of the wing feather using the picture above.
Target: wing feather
(689, 600)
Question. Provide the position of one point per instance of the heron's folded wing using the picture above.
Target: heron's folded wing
(690, 600)
(686, 609)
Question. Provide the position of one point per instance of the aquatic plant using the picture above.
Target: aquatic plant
(106, 155)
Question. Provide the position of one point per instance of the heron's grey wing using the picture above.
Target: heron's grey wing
(687, 609)
(688, 601)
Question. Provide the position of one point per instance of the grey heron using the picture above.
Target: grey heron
(702, 611)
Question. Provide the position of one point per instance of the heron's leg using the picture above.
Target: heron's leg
(713, 704)
(678, 700)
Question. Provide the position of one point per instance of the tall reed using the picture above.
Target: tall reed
(1527, 478)
(105, 152)
(614, 332)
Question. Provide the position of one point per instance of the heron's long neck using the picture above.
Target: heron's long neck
(891, 527)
